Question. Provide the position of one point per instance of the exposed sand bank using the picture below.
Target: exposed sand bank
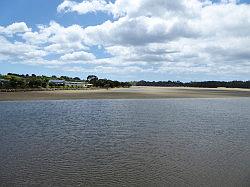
(128, 93)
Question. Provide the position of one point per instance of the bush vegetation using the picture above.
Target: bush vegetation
(205, 84)
(17, 81)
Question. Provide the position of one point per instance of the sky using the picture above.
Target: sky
(186, 40)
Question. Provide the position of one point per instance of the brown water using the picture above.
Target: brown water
(175, 142)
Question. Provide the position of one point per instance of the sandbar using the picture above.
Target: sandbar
(134, 92)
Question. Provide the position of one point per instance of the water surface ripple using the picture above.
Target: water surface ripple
(175, 142)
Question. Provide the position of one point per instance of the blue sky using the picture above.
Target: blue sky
(34, 12)
(126, 40)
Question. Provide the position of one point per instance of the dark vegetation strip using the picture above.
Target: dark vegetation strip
(205, 84)
(16, 82)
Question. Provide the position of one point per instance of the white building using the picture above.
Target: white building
(69, 83)
(78, 84)
(57, 82)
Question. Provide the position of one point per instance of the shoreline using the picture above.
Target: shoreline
(135, 92)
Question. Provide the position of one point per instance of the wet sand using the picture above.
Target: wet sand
(127, 93)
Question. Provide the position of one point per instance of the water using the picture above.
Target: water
(175, 142)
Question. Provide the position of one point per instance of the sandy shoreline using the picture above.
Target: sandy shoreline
(128, 93)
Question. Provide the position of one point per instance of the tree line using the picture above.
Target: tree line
(204, 84)
(21, 81)
(106, 83)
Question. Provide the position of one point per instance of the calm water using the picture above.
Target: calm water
(175, 142)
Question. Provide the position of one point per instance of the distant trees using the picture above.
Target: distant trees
(160, 83)
(205, 84)
(105, 83)
(65, 78)
(77, 79)
(37, 82)
(16, 81)
(92, 78)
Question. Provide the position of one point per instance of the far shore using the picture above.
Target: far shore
(127, 93)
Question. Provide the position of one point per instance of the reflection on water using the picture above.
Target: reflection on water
(182, 142)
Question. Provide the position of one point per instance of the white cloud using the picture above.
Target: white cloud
(139, 31)
(19, 51)
(14, 28)
(132, 8)
(161, 8)
(160, 36)
(35, 37)
(65, 6)
(190, 36)
(78, 56)
(85, 6)
(57, 39)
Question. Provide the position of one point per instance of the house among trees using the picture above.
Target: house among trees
(57, 82)
(3, 80)
(69, 83)
(16, 81)
(78, 84)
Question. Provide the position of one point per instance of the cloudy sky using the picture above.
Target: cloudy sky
(187, 40)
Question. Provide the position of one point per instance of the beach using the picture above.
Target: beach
(127, 93)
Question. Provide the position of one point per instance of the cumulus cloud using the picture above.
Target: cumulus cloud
(85, 6)
(132, 8)
(48, 41)
(191, 36)
(57, 39)
(14, 28)
(78, 56)
(139, 31)
(160, 36)
(137, 8)
(18, 50)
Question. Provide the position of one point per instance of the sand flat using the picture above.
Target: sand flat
(128, 93)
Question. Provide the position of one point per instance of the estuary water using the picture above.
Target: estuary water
(172, 142)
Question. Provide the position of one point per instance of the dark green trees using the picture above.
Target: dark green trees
(16, 81)
(106, 83)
